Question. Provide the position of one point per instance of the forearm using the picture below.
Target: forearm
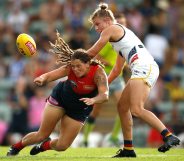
(92, 53)
(48, 77)
(97, 47)
(117, 69)
(113, 75)
(54, 75)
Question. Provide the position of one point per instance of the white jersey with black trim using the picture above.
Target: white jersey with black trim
(129, 45)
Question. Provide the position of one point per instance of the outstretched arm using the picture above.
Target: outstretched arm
(51, 76)
(103, 89)
(101, 42)
(113, 33)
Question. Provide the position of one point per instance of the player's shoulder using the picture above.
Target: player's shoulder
(109, 28)
(96, 67)
(112, 27)
(100, 70)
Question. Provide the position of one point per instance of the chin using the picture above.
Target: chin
(79, 76)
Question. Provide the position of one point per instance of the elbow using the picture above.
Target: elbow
(101, 98)
(106, 97)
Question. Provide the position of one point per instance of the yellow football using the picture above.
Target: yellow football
(26, 45)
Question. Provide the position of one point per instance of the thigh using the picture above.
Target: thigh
(139, 92)
(51, 115)
(69, 130)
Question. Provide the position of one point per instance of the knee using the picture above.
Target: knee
(136, 111)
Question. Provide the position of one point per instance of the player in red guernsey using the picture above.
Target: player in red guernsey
(84, 85)
(70, 102)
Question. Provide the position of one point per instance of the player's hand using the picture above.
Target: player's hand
(88, 101)
(40, 81)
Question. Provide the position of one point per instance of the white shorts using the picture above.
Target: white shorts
(148, 72)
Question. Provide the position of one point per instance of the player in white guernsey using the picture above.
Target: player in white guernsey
(144, 70)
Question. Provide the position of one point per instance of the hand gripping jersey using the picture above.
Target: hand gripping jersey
(131, 48)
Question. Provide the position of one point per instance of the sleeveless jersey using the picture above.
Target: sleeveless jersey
(66, 94)
(128, 45)
(83, 85)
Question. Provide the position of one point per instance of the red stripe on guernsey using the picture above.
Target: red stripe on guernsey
(135, 57)
(84, 85)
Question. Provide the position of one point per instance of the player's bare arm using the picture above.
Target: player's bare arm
(104, 38)
(102, 84)
(113, 33)
(51, 76)
(117, 69)
(103, 89)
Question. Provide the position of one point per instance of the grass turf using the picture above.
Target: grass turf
(94, 154)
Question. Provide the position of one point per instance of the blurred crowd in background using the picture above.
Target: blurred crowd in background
(158, 23)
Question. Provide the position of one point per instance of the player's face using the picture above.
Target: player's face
(79, 68)
(100, 24)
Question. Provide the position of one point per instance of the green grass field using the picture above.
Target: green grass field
(94, 154)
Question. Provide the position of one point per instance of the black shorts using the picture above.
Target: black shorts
(63, 96)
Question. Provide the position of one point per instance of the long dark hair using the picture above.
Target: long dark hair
(65, 54)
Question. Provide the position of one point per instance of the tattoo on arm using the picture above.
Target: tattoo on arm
(101, 78)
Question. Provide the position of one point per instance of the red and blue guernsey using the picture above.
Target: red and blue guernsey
(66, 94)
(83, 85)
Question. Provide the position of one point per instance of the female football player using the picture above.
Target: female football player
(144, 70)
(71, 101)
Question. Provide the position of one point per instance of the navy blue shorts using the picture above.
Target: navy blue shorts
(63, 96)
